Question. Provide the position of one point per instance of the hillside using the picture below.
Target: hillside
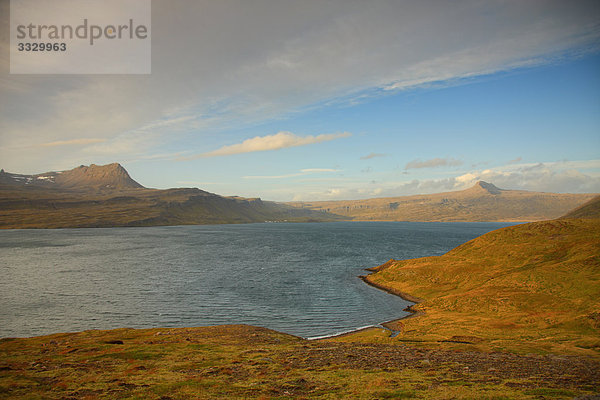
(526, 288)
(591, 209)
(482, 202)
(106, 196)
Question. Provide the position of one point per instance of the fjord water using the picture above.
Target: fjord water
(295, 278)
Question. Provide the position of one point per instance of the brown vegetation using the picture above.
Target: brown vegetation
(248, 362)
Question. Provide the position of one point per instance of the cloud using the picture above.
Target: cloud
(302, 172)
(561, 177)
(373, 155)
(433, 163)
(555, 177)
(280, 140)
(72, 142)
(294, 56)
(516, 160)
(310, 170)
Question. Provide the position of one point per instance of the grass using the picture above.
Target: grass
(532, 288)
(247, 362)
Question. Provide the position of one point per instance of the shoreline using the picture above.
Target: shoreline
(393, 325)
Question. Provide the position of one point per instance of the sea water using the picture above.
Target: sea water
(297, 278)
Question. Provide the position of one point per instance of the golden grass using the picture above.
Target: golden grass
(236, 362)
(526, 288)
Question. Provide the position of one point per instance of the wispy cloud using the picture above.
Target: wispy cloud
(373, 155)
(516, 160)
(433, 163)
(302, 172)
(311, 170)
(280, 140)
(277, 69)
(72, 142)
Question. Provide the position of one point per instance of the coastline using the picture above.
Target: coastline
(394, 325)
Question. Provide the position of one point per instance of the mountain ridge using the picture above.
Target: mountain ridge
(106, 196)
(481, 202)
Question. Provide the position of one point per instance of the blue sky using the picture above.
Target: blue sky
(337, 100)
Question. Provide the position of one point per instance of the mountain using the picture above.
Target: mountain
(482, 202)
(106, 196)
(83, 178)
(527, 288)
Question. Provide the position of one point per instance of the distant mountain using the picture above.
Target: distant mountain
(482, 202)
(106, 196)
(95, 177)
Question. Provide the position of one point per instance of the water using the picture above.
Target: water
(295, 278)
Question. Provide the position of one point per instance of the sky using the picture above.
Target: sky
(329, 100)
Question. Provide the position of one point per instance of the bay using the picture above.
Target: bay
(296, 278)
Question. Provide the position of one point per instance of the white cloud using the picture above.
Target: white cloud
(72, 142)
(302, 172)
(561, 177)
(309, 170)
(280, 140)
(556, 177)
(293, 55)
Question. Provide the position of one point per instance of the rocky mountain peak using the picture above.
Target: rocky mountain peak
(488, 187)
(110, 176)
(93, 177)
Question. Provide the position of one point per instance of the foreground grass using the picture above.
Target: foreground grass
(248, 362)
(532, 288)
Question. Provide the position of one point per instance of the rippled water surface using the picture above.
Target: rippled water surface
(296, 278)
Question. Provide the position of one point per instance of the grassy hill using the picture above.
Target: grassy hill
(526, 288)
(482, 202)
(591, 209)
